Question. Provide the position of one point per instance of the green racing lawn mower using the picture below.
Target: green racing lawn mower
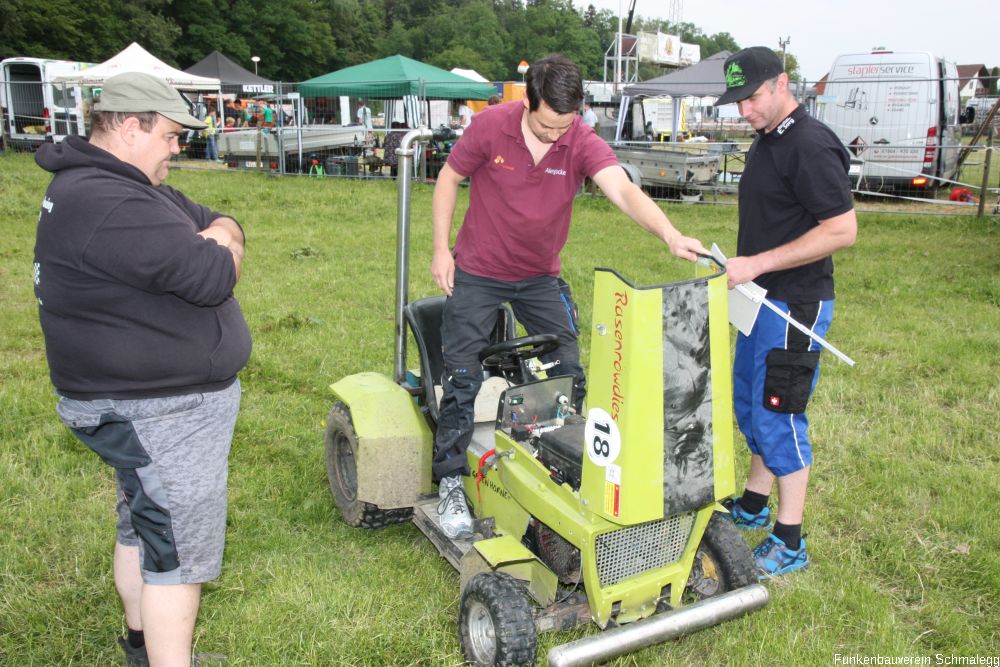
(613, 517)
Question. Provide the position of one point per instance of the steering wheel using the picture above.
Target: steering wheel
(508, 354)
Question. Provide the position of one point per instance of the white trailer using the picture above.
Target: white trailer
(676, 167)
(262, 149)
(898, 114)
(36, 109)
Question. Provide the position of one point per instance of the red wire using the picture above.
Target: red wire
(479, 473)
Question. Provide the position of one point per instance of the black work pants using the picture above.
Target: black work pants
(542, 305)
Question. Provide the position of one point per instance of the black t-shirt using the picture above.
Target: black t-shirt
(795, 176)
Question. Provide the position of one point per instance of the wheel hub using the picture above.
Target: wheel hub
(346, 467)
(482, 634)
(704, 580)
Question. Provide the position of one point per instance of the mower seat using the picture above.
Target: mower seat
(424, 319)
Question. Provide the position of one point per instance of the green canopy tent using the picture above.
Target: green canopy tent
(396, 77)
(407, 86)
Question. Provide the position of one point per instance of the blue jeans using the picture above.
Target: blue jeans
(211, 150)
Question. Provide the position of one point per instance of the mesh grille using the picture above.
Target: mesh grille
(630, 551)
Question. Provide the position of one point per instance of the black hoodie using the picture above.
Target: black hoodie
(132, 302)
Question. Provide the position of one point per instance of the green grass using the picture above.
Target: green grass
(975, 166)
(902, 519)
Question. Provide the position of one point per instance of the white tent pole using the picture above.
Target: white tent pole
(675, 111)
(618, 48)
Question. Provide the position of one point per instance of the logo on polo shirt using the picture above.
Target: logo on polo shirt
(785, 124)
(555, 172)
(500, 162)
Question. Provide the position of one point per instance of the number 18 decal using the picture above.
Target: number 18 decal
(603, 440)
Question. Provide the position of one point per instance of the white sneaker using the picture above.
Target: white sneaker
(456, 522)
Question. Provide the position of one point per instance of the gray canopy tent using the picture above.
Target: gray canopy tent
(231, 75)
(235, 80)
(703, 79)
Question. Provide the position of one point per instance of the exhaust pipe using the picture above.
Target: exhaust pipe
(407, 151)
(656, 629)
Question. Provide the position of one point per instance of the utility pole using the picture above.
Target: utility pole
(783, 43)
(676, 15)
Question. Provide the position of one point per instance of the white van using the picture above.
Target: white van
(35, 108)
(898, 114)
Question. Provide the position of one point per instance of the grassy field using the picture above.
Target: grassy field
(902, 520)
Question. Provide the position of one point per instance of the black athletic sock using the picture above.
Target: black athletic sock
(789, 534)
(752, 502)
(135, 638)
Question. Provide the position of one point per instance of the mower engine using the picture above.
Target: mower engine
(561, 451)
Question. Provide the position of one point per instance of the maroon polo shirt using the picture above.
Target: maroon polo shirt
(519, 212)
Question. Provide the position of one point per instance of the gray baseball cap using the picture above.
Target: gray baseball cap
(138, 92)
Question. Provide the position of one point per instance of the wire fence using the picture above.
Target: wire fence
(286, 131)
(910, 151)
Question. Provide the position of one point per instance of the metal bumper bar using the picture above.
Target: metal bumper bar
(656, 629)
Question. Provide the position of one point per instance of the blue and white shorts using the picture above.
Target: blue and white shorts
(774, 374)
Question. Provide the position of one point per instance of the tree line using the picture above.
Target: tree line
(300, 39)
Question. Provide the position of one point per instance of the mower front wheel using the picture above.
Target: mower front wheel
(495, 623)
(342, 470)
(723, 562)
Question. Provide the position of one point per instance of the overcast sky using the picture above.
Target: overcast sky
(966, 32)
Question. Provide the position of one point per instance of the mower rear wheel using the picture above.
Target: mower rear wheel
(342, 470)
(495, 625)
(723, 562)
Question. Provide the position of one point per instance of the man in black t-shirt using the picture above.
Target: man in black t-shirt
(795, 212)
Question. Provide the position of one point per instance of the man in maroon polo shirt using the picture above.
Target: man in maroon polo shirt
(526, 161)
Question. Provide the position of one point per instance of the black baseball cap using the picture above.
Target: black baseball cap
(746, 70)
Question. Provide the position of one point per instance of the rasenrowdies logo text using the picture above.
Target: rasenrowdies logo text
(617, 398)
(734, 76)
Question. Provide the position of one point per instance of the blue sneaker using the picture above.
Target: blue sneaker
(743, 519)
(772, 558)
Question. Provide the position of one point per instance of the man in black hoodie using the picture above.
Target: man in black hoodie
(144, 339)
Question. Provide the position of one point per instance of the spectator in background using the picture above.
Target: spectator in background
(364, 116)
(268, 115)
(392, 141)
(589, 117)
(494, 99)
(211, 129)
(464, 115)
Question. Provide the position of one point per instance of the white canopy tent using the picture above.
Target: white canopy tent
(470, 74)
(134, 58)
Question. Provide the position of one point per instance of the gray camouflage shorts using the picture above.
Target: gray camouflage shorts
(171, 457)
